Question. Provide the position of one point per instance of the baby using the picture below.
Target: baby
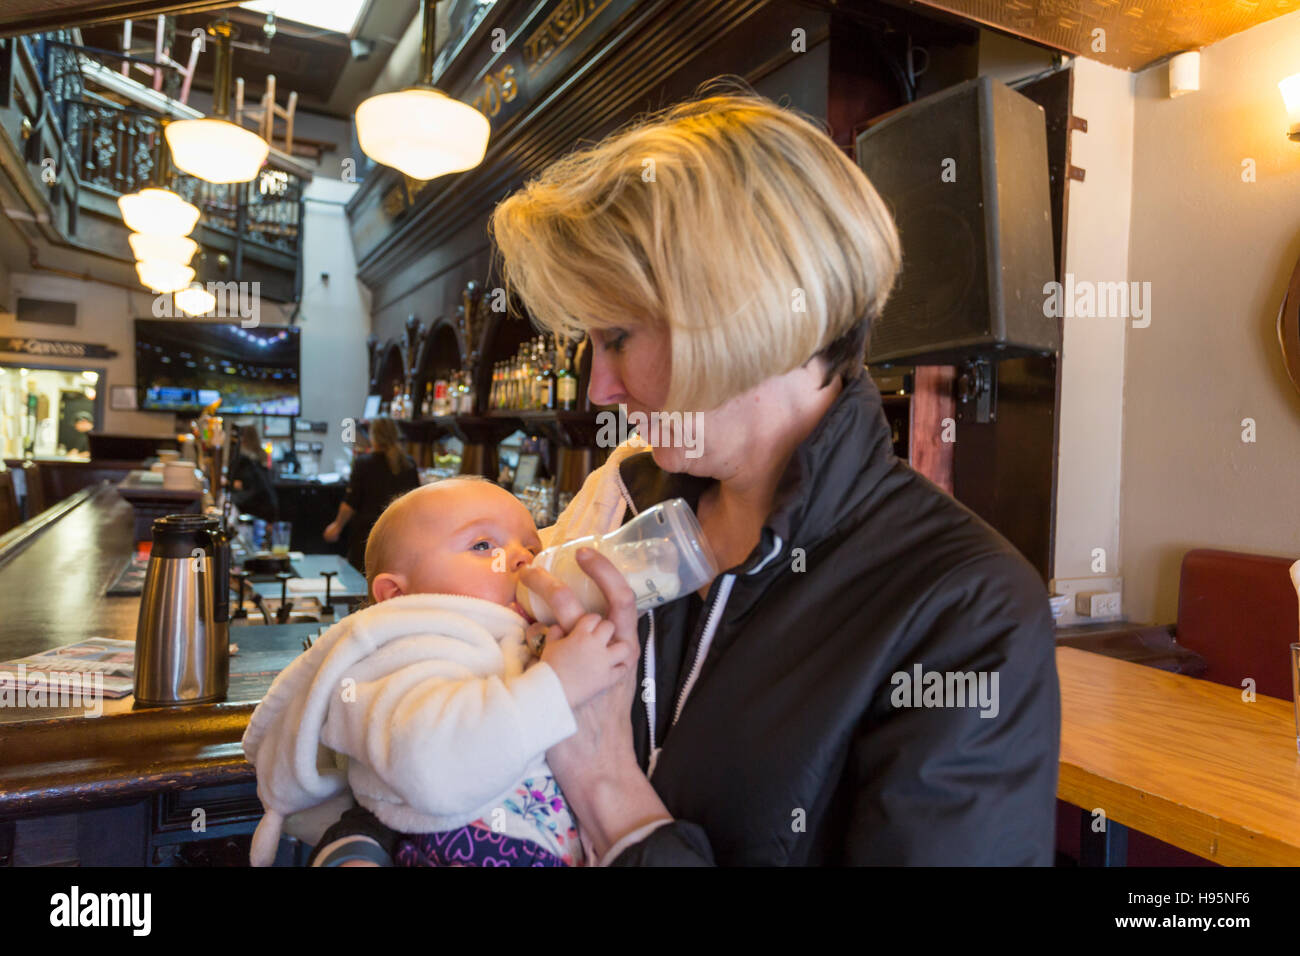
(433, 695)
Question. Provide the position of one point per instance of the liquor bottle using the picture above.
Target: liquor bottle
(566, 382)
(455, 393)
(467, 398)
(539, 374)
(426, 409)
(525, 379)
(549, 388)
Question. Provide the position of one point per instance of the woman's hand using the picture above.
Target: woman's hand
(597, 767)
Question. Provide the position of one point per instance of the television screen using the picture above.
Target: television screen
(183, 366)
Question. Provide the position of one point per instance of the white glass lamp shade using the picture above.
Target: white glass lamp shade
(195, 300)
(1290, 88)
(422, 132)
(158, 212)
(163, 276)
(216, 150)
(148, 245)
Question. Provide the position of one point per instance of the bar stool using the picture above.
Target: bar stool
(10, 515)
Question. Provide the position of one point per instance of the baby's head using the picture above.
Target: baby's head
(456, 536)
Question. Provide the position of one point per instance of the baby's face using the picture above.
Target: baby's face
(462, 537)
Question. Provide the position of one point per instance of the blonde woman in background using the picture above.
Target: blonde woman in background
(377, 478)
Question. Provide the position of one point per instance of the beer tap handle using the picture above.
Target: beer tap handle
(286, 606)
(328, 608)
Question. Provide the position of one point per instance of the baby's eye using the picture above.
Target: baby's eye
(484, 545)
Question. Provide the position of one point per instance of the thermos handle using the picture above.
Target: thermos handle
(221, 575)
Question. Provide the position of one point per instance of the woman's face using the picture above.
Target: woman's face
(631, 366)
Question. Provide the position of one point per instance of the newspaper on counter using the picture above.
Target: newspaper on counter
(60, 667)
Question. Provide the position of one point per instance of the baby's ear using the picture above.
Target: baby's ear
(388, 585)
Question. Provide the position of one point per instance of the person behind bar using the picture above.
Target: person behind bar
(253, 489)
(377, 478)
(871, 679)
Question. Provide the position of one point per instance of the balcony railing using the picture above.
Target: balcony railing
(110, 148)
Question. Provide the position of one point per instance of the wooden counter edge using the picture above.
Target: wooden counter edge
(1184, 827)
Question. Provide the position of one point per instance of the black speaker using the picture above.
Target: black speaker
(964, 173)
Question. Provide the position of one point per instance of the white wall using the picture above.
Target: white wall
(335, 317)
(1218, 252)
(1092, 351)
(104, 316)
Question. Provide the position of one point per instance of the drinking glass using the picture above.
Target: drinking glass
(280, 537)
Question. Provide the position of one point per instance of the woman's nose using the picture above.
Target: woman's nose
(605, 387)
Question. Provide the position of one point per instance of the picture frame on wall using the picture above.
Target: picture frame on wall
(123, 398)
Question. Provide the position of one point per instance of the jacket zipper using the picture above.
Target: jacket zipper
(706, 640)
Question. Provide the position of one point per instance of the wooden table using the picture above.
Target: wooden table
(1184, 760)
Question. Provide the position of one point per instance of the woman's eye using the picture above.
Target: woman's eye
(614, 342)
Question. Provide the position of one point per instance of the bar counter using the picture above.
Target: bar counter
(139, 768)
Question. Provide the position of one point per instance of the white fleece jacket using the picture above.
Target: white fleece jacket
(426, 696)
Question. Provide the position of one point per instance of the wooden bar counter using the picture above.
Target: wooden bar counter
(122, 787)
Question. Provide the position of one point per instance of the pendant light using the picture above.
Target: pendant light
(214, 148)
(163, 276)
(420, 130)
(148, 245)
(155, 209)
(195, 300)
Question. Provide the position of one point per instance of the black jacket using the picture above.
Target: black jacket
(789, 749)
(256, 495)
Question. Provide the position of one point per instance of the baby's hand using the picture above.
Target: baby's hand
(587, 659)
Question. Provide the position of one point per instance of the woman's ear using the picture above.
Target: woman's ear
(388, 585)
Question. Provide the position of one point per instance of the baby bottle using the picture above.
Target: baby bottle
(661, 552)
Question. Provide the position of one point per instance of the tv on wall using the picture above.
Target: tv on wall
(183, 366)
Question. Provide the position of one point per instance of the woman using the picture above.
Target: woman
(786, 715)
(377, 478)
(775, 721)
(254, 491)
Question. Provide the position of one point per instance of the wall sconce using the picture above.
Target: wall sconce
(1290, 88)
(1184, 74)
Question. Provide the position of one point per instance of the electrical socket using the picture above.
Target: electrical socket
(1112, 584)
(1097, 605)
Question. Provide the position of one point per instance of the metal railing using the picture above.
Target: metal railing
(111, 148)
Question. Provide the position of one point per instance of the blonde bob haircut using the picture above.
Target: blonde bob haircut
(737, 224)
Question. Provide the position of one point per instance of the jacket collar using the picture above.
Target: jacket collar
(828, 477)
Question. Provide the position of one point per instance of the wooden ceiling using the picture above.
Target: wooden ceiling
(1136, 32)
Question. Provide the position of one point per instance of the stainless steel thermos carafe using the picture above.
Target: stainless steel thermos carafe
(182, 640)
